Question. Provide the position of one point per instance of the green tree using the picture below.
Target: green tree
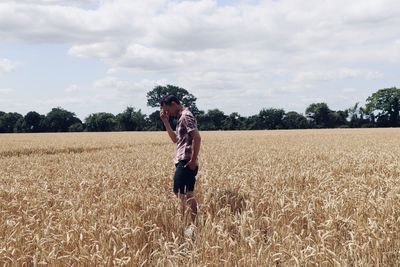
(100, 122)
(270, 118)
(385, 105)
(359, 117)
(76, 127)
(155, 96)
(33, 122)
(234, 122)
(318, 114)
(131, 120)
(338, 118)
(214, 119)
(354, 116)
(154, 122)
(252, 123)
(59, 120)
(8, 122)
(294, 120)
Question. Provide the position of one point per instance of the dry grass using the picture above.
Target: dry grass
(268, 198)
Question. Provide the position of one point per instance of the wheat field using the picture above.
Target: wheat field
(266, 198)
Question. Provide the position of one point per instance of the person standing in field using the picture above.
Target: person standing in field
(187, 139)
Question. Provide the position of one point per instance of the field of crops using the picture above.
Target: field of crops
(266, 198)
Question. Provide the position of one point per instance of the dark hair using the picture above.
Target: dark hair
(167, 100)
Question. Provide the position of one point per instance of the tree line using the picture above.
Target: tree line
(381, 110)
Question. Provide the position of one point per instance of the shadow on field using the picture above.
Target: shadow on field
(54, 151)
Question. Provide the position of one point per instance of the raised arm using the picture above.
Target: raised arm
(165, 119)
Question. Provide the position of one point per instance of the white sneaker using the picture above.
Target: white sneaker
(189, 231)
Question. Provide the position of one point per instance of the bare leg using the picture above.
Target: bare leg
(182, 198)
(189, 207)
(189, 212)
(192, 210)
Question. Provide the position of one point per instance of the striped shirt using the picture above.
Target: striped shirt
(184, 143)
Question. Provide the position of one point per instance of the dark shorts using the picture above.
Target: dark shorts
(184, 178)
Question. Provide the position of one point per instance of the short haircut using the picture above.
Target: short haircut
(167, 100)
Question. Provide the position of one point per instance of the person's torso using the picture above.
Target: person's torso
(184, 141)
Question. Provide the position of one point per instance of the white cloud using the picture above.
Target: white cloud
(32, 22)
(147, 58)
(53, 2)
(97, 50)
(111, 83)
(98, 98)
(60, 101)
(124, 88)
(6, 65)
(5, 91)
(72, 88)
(349, 90)
(339, 74)
(257, 49)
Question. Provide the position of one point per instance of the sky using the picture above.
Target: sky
(240, 56)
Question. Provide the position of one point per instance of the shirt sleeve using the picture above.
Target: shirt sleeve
(191, 123)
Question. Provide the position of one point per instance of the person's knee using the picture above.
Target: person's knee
(191, 202)
(190, 198)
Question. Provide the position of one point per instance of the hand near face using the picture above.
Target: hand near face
(164, 115)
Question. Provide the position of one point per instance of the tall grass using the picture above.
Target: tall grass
(266, 198)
